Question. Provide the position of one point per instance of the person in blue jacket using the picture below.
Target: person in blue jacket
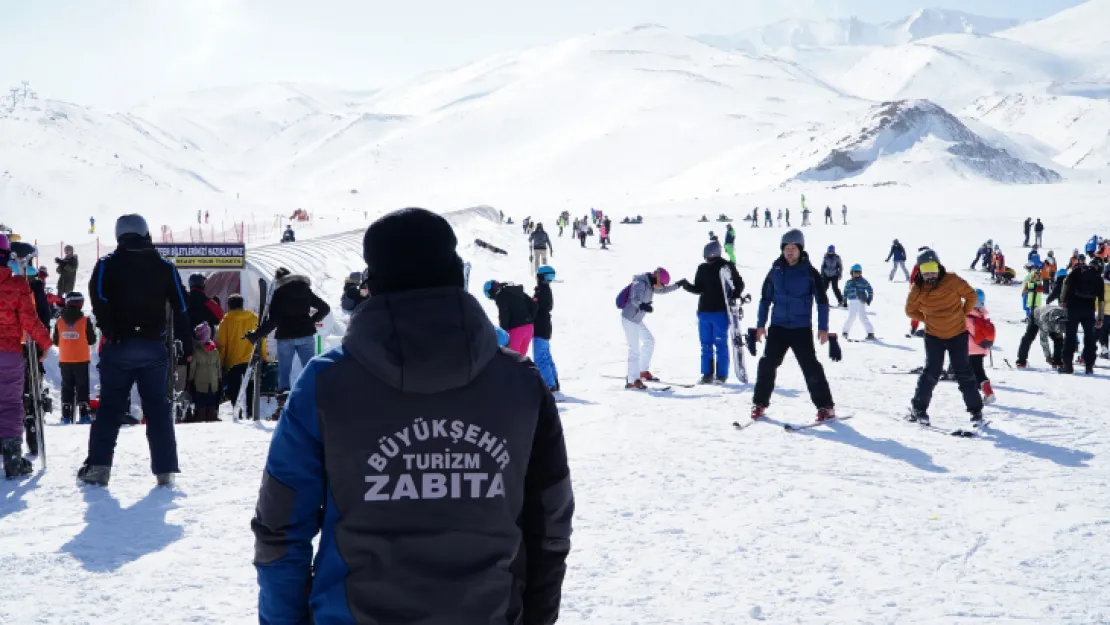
(789, 291)
(898, 253)
(858, 294)
(430, 462)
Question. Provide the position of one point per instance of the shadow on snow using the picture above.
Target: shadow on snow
(843, 433)
(1060, 455)
(114, 536)
(11, 499)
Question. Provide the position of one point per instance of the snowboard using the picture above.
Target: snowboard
(735, 314)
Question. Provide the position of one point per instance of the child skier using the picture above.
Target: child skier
(204, 375)
(980, 338)
(516, 313)
(74, 334)
(713, 312)
(541, 341)
(858, 294)
(635, 302)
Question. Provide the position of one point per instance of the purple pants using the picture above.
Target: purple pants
(11, 395)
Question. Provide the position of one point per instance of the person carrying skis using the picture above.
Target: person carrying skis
(858, 294)
(1050, 322)
(74, 335)
(713, 331)
(730, 243)
(201, 307)
(516, 313)
(292, 314)
(1038, 231)
(424, 360)
(235, 349)
(942, 301)
(828, 216)
(637, 303)
(67, 271)
(1027, 227)
(204, 375)
(980, 338)
(1082, 295)
(541, 341)
(18, 321)
(898, 254)
(130, 289)
(787, 297)
(832, 268)
(541, 243)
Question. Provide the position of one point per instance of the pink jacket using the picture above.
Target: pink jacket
(972, 348)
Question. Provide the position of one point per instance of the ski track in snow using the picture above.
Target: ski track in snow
(680, 518)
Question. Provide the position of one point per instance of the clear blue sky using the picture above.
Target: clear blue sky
(115, 53)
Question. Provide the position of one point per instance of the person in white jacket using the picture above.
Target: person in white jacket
(641, 344)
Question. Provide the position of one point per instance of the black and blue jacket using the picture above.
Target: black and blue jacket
(792, 290)
(432, 465)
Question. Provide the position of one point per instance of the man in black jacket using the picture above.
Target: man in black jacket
(294, 312)
(1082, 295)
(440, 489)
(541, 244)
(713, 311)
(130, 289)
(202, 309)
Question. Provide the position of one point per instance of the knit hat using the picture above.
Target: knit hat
(410, 249)
(203, 333)
(74, 300)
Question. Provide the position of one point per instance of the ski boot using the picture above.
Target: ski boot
(638, 385)
(1104, 354)
(165, 480)
(67, 414)
(721, 379)
(1021, 364)
(648, 377)
(977, 418)
(988, 392)
(826, 414)
(919, 417)
(706, 379)
(15, 465)
(870, 337)
(97, 475)
(83, 411)
(758, 411)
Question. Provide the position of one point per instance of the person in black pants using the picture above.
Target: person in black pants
(791, 287)
(1082, 295)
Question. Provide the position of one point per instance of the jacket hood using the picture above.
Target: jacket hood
(425, 341)
(290, 279)
(71, 315)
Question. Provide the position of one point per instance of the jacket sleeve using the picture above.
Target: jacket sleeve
(533, 307)
(1056, 292)
(90, 332)
(822, 298)
(548, 511)
(42, 305)
(322, 309)
(98, 299)
(890, 255)
(288, 513)
(913, 308)
(698, 287)
(30, 322)
(214, 310)
(868, 291)
(839, 267)
(765, 298)
(737, 281)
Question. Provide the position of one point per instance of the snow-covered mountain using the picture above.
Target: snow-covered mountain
(1080, 31)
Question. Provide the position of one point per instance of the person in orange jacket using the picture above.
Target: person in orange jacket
(74, 334)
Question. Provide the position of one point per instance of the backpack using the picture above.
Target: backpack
(622, 297)
(982, 332)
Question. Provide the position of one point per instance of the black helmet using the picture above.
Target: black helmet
(131, 224)
(197, 281)
(927, 256)
(793, 237)
(711, 250)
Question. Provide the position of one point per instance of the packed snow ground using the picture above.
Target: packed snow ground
(681, 519)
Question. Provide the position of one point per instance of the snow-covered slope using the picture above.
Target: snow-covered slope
(1081, 30)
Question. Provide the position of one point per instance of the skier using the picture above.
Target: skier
(235, 349)
(288, 236)
(791, 287)
(541, 341)
(354, 292)
(516, 313)
(204, 375)
(1027, 227)
(844, 213)
(713, 331)
(898, 254)
(858, 294)
(730, 243)
(984, 254)
(603, 237)
(421, 348)
(1051, 322)
(201, 307)
(942, 301)
(1038, 230)
(980, 338)
(1057, 286)
(638, 297)
(805, 216)
(67, 271)
(828, 216)
(293, 311)
(832, 268)
(17, 321)
(1082, 295)
(541, 243)
(74, 335)
(583, 230)
(780, 218)
(130, 289)
(788, 217)
(1092, 246)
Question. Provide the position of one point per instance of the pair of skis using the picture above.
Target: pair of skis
(790, 427)
(735, 315)
(254, 365)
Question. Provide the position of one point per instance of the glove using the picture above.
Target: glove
(751, 341)
(646, 307)
(683, 282)
(869, 302)
(252, 337)
(834, 348)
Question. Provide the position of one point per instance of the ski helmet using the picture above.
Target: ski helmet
(490, 288)
(857, 268)
(74, 300)
(980, 298)
(131, 224)
(711, 250)
(662, 276)
(547, 272)
(197, 281)
(793, 237)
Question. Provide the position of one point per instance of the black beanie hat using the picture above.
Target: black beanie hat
(411, 249)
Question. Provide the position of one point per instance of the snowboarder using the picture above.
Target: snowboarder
(67, 271)
(1050, 322)
(1027, 227)
(832, 269)
(541, 243)
(980, 338)
(289, 236)
(516, 313)
(424, 359)
(713, 331)
(204, 375)
(828, 215)
(942, 301)
(17, 320)
(730, 243)
(235, 349)
(1038, 231)
(1082, 295)
(858, 294)
(898, 254)
(844, 213)
(791, 287)
(202, 309)
(74, 335)
(541, 341)
(638, 297)
(130, 289)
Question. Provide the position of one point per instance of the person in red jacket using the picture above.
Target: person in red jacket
(17, 319)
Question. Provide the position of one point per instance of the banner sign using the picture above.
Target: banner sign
(209, 256)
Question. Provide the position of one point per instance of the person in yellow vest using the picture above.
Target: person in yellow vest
(235, 351)
(1032, 290)
(74, 335)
